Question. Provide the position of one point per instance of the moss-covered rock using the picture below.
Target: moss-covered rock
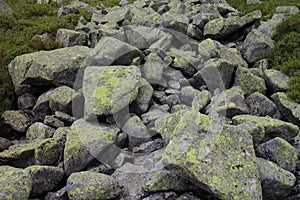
(18, 120)
(39, 130)
(142, 101)
(91, 185)
(288, 107)
(58, 67)
(44, 178)
(260, 105)
(41, 107)
(249, 82)
(276, 80)
(272, 127)
(256, 46)
(276, 182)
(107, 90)
(53, 121)
(185, 61)
(60, 99)
(71, 38)
(26, 101)
(85, 142)
(14, 183)
(202, 151)
(280, 152)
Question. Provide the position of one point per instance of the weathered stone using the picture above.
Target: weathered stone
(44, 178)
(162, 196)
(152, 115)
(276, 182)
(260, 105)
(200, 150)
(14, 183)
(186, 61)
(4, 143)
(107, 90)
(287, 9)
(146, 17)
(171, 100)
(204, 14)
(153, 68)
(143, 98)
(213, 49)
(71, 38)
(222, 27)
(45, 68)
(67, 119)
(276, 81)
(5, 9)
(66, 10)
(53, 121)
(85, 142)
(60, 99)
(249, 82)
(174, 21)
(61, 194)
(194, 32)
(41, 107)
(253, 1)
(18, 120)
(42, 152)
(217, 73)
(39, 130)
(150, 146)
(26, 101)
(280, 152)
(272, 127)
(91, 185)
(289, 108)
(229, 103)
(201, 100)
(256, 46)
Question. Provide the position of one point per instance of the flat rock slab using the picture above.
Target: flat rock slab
(219, 160)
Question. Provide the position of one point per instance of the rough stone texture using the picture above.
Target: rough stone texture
(71, 38)
(289, 109)
(275, 181)
(4, 143)
(5, 9)
(142, 101)
(44, 178)
(260, 105)
(44, 68)
(280, 152)
(229, 103)
(256, 46)
(287, 9)
(18, 120)
(276, 81)
(203, 153)
(41, 107)
(60, 99)
(91, 185)
(39, 130)
(53, 122)
(14, 183)
(249, 82)
(185, 61)
(26, 101)
(107, 90)
(272, 127)
(85, 142)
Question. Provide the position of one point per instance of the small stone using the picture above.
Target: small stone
(18, 120)
(71, 38)
(60, 99)
(67, 119)
(26, 101)
(4, 143)
(42, 108)
(53, 122)
(39, 130)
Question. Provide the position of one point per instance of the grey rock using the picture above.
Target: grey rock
(204, 14)
(201, 100)
(276, 81)
(171, 100)
(26, 101)
(187, 94)
(86, 185)
(60, 99)
(260, 105)
(256, 46)
(280, 152)
(67, 119)
(287, 9)
(15, 183)
(44, 178)
(152, 115)
(41, 107)
(143, 98)
(66, 10)
(249, 82)
(71, 38)
(162, 196)
(253, 1)
(288, 107)
(185, 61)
(18, 120)
(4, 143)
(53, 121)
(5, 9)
(149, 147)
(58, 195)
(276, 182)
(39, 130)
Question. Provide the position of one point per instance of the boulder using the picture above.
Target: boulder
(26, 101)
(107, 90)
(289, 108)
(18, 120)
(186, 61)
(67, 119)
(91, 185)
(280, 152)
(39, 130)
(275, 181)
(272, 127)
(60, 99)
(200, 150)
(201, 100)
(249, 82)
(4, 143)
(85, 142)
(46, 68)
(260, 105)
(44, 178)
(143, 99)
(256, 46)
(5, 9)
(14, 183)
(276, 81)
(41, 107)
(287, 9)
(53, 121)
(71, 38)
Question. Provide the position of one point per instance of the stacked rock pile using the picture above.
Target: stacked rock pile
(154, 100)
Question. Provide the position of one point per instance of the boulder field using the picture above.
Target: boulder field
(155, 100)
